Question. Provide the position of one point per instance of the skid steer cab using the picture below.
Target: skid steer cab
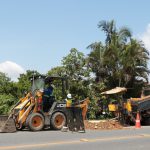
(39, 108)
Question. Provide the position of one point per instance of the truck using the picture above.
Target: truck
(126, 109)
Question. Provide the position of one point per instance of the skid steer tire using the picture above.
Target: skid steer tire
(35, 122)
(58, 120)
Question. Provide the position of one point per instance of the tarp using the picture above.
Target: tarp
(115, 91)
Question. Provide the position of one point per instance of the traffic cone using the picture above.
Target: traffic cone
(138, 122)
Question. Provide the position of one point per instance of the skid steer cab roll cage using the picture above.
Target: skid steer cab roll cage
(39, 82)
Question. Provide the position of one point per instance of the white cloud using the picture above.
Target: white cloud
(11, 69)
(146, 37)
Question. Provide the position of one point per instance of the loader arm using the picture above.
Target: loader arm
(24, 116)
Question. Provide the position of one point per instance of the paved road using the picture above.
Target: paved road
(127, 139)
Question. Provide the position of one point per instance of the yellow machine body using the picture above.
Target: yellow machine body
(113, 107)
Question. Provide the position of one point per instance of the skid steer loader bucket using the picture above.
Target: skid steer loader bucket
(7, 124)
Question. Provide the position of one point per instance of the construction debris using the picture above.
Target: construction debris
(102, 125)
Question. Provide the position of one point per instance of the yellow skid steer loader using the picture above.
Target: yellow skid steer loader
(39, 109)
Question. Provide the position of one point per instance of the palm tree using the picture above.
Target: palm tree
(134, 61)
(96, 59)
(115, 43)
(109, 29)
(112, 35)
(123, 58)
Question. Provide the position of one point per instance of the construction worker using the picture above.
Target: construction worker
(75, 120)
(48, 90)
(46, 97)
(69, 100)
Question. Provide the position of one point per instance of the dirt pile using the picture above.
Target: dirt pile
(7, 125)
(102, 125)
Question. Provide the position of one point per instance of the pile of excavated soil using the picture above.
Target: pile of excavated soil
(102, 125)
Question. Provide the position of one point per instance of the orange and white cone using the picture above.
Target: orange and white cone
(138, 122)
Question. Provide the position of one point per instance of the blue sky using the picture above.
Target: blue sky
(37, 34)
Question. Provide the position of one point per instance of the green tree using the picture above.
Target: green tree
(7, 94)
(135, 70)
(24, 82)
(123, 60)
(57, 71)
(77, 72)
(116, 41)
(75, 65)
(112, 34)
(6, 102)
(4, 83)
(95, 61)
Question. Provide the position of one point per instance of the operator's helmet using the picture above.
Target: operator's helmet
(41, 90)
(69, 95)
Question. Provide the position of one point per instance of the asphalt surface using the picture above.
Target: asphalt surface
(126, 139)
